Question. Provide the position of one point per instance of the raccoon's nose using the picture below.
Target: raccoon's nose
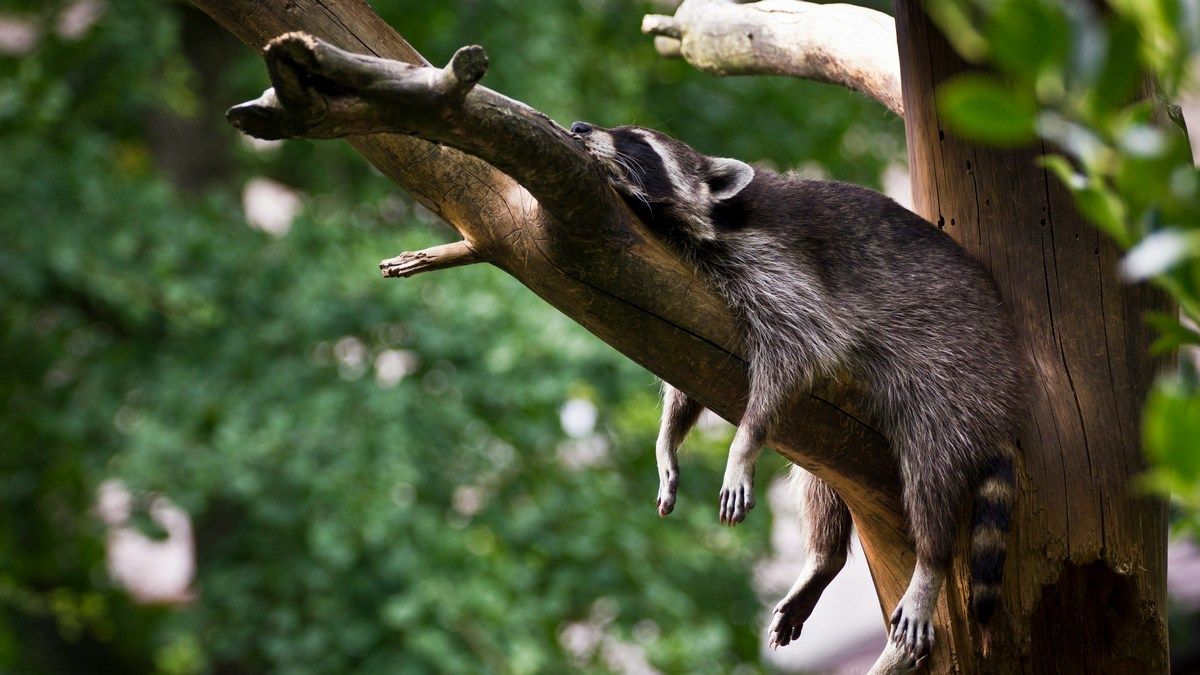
(581, 128)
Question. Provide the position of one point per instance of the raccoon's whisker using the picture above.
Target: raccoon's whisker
(630, 175)
(629, 158)
(633, 177)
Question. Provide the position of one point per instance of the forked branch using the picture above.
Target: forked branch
(854, 47)
(320, 91)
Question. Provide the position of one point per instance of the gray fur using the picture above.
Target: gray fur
(827, 278)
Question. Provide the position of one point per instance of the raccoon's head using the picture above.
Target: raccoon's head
(665, 181)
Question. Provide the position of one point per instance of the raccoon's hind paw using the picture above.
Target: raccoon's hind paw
(737, 497)
(668, 483)
(798, 604)
(912, 629)
(896, 661)
(785, 627)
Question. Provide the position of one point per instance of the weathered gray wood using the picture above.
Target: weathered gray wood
(854, 47)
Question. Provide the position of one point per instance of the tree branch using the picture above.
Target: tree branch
(434, 258)
(839, 44)
(603, 269)
(321, 91)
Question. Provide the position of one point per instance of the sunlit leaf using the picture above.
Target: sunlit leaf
(1118, 73)
(1028, 37)
(1160, 252)
(983, 108)
(1172, 333)
(1171, 431)
(1099, 205)
(959, 27)
(1081, 142)
(1060, 166)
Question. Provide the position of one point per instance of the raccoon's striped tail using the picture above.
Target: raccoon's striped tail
(990, 524)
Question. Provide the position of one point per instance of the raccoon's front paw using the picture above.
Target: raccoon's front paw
(668, 483)
(737, 495)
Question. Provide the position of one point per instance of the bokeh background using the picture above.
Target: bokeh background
(227, 445)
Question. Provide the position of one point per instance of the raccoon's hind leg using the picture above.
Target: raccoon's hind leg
(679, 415)
(912, 621)
(827, 543)
(933, 495)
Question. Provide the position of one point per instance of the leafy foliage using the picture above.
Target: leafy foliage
(1071, 72)
(345, 521)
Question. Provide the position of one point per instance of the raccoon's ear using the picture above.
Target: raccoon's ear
(727, 177)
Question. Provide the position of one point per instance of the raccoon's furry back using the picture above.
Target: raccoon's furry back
(829, 277)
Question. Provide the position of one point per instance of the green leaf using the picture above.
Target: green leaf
(1101, 206)
(1173, 334)
(1062, 167)
(1028, 38)
(1097, 203)
(1118, 73)
(958, 27)
(983, 108)
(1171, 432)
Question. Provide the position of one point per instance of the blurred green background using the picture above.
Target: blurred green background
(382, 476)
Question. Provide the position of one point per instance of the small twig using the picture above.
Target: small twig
(434, 258)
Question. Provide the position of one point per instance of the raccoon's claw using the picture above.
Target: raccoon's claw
(785, 627)
(667, 486)
(736, 502)
(912, 632)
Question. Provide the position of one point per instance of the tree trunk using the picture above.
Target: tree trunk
(1085, 581)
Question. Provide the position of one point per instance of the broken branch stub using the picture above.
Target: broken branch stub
(427, 260)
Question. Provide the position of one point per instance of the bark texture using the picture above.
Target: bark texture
(1084, 585)
(839, 44)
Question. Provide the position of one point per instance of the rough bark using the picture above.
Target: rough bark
(839, 44)
(1085, 581)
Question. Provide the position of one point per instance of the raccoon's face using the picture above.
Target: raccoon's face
(665, 181)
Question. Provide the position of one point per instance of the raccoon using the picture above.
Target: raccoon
(826, 278)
